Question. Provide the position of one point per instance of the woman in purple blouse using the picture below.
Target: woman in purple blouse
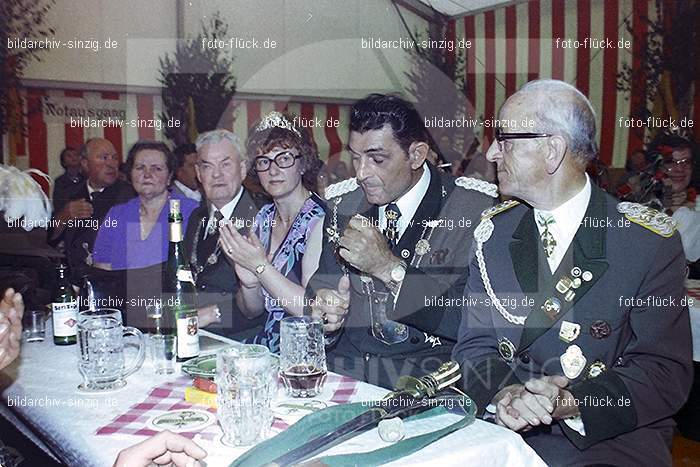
(135, 234)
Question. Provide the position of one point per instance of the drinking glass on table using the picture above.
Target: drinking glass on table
(246, 383)
(101, 353)
(101, 313)
(163, 349)
(302, 356)
(154, 317)
(34, 326)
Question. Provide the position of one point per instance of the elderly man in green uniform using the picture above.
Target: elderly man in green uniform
(400, 231)
(575, 334)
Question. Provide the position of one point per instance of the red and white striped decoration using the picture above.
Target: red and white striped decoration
(48, 133)
(516, 44)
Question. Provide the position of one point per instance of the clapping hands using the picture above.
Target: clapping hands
(246, 252)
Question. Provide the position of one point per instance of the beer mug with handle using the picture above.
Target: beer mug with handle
(101, 358)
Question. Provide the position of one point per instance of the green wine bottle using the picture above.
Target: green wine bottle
(64, 308)
(179, 293)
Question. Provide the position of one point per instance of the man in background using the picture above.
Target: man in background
(76, 223)
(68, 182)
(185, 181)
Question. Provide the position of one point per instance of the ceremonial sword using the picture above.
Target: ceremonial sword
(408, 399)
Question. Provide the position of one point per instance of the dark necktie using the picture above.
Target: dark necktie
(391, 232)
(214, 226)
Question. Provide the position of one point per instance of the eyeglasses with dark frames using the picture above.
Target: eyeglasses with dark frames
(682, 163)
(283, 160)
(502, 137)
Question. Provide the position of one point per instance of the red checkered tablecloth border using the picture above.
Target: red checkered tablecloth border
(693, 293)
(171, 396)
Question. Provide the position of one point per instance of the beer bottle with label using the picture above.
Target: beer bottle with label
(179, 293)
(64, 307)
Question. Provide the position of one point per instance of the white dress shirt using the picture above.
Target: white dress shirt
(226, 211)
(567, 219)
(92, 190)
(187, 191)
(408, 204)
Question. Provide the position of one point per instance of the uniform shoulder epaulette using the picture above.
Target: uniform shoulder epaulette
(340, 188)
(499, 208)
(482, 186)
(649, 218)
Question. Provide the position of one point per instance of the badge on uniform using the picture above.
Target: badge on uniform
(600, 329)
(572, 362)
(551, 308)
(596, 369)
(568, 332)
(506, 349)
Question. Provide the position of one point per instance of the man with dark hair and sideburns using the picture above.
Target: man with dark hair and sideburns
(395, 249)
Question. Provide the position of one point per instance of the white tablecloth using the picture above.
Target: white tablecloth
(44, 380)
(693, 298)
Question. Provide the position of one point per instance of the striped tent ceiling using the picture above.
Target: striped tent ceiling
(463, 7)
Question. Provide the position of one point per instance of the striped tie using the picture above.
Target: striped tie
(548, 241)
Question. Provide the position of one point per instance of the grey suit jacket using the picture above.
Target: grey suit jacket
(216, 281)
(634, 332)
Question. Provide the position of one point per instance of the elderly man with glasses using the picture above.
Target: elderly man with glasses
(575, 333)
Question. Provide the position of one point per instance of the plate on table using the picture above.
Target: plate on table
(180, 421)
(203, 367)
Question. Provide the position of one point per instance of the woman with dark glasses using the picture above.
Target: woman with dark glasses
(281, 253)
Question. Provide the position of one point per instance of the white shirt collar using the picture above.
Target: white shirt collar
(187, 191)
(92, 190)
(227, 209)
(408, 203)
(567, 220)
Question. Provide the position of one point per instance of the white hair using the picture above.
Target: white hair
(216, 136)
(562, 109)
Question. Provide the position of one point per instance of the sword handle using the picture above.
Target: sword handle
(427, 386)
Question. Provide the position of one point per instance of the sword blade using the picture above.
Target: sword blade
(321, 443)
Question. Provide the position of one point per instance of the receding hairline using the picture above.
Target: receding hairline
(236, 155)
(553, 88)
(83, 150)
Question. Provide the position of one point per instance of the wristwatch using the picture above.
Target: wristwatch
(397, 275)
(260, 268)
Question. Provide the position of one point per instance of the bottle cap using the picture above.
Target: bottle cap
(174, 206)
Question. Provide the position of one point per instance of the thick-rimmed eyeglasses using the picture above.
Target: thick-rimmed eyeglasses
(681, 163)
(502, 138)
(283, 160)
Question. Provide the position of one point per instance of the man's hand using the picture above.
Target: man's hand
(162, 449)
(11, 311)
(552, 388)
(207, 315)
(509, 416)
(365, 248)
(331, 305)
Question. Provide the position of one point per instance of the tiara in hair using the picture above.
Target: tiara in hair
(276, 120)
(678, 131)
